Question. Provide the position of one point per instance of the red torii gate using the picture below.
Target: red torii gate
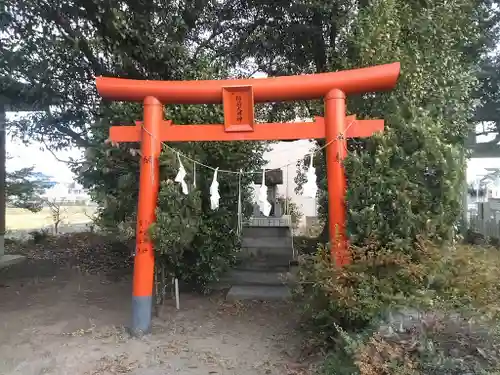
(238, 98)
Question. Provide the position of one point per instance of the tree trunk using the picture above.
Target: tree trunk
(3, 134)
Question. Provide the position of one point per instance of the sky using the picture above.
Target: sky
(476, 167)
(35, 155)
(43, 161)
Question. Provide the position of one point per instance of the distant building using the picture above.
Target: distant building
(485, 187)
(68, 192)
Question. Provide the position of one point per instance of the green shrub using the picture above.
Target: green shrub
(358, 295)
(455, 289)
(190, 245)
(290, 208)
(305, 244)
(213, 250)
(175, 228)
(111, 174)
(467, 281)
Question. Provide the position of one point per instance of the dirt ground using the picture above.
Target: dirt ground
(57, 321)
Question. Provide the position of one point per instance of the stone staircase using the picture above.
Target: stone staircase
(264, 268)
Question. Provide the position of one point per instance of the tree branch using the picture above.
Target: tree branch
(77, 138)
(69, 162)
(81, 43)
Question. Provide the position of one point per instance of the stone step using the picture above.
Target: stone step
(266, 232)
(273, 256)
(258, 293)
(266, 242)
(263, 266)
(254, 277)
(285, 253)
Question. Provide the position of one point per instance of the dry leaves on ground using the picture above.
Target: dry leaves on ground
(89, 252)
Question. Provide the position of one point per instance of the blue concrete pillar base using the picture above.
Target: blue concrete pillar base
(142, 308)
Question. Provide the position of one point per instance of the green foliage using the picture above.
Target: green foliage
(306, 245)
(402, 183)
(24, 187)
(192, 245)
(438, 345)
(84, 39)
(214, 249)
(176, 228)
(453, 289)
(112, 173)
(488, 97)
(411, 112)
(409, 179)
(358, 295)
(466, 281)
(290, 208)
(57, 52)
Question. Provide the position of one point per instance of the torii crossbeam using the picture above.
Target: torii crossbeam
(238, 98)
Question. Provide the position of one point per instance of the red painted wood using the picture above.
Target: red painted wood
(336, 151)
(273, 89)
(261, 132)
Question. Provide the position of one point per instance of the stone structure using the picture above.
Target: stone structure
(265, 262)
(266, 251)
(273, 178)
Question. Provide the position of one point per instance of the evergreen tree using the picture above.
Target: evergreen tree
(409, 180)
(24, 188)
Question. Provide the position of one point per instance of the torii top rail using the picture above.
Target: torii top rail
(302, 87)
